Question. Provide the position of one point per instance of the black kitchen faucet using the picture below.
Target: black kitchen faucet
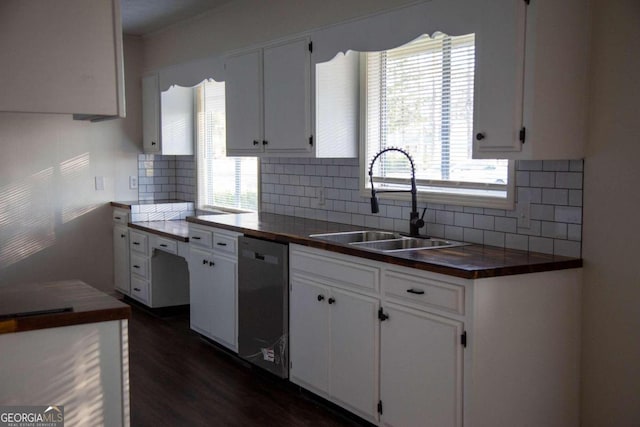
(415, 221)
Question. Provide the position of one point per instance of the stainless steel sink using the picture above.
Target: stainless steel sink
(385, 241)
(407, 243)
(350, 237)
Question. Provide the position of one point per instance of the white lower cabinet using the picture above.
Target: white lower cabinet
(420, 369)
(121, 273)
(442, 351)
(213, 283)
(333, 336)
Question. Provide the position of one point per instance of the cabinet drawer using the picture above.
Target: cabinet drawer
(346, 270)
(140, 289)
(224, 243)
(200, 237)
(422, 291)
(139, 265)
(166, 245)
(138, 242)
(120, 216)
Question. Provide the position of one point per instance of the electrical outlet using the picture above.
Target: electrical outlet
(321, 196)
(133, 182)
(523, 209)
(99, 183)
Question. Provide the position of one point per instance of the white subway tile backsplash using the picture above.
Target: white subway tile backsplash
(494, 238)
(551, 196)
(555, 230)
(542, 179)
(566, 248)
(517, 241)
(569, 180)
(473, 235)
(568, 214)
(529, 165)
(554, 189)
(463, 219)
(575, 197)
(507, 225)
(484, 222)
(541, 244)
(555, 165)
(574, 232)
(453, 233)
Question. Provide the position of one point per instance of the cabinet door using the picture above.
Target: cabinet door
(354, 350)
(420, 369)
(243, 104)
(200, 289)
(287, 98)
(309, 334)
(499, 79)
(223, 297)
(61, 57)
(121, 274)
(150, 114)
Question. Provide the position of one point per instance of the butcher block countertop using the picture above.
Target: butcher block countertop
(33, 306)
(469, 262)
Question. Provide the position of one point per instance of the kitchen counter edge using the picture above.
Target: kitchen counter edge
(540, 262)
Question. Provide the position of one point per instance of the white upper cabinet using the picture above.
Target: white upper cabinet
(499, 78)
(62, 56)
(268, 101)
(531, 80)
(279, 103)
(167, 118)
(243, 104)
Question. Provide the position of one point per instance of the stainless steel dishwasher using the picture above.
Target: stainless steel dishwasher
(263, 304)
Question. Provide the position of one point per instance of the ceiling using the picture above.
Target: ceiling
(141, 17)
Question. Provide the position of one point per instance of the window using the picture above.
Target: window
(227, 183)
(419, 97)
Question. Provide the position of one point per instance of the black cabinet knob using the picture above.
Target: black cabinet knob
(331, 300)
(256, 142)
(153, 143)
(320, 297)
(480, 136)
(265, 142)
(211, 263)
(123, 235)
(204, 261)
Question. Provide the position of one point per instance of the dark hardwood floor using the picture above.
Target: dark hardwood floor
(179, 379)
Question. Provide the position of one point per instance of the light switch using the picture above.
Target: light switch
(99, 183)
(133, 182)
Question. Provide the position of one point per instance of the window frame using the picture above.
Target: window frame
(437, 197)
(200, 205)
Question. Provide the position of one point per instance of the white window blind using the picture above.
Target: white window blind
(223, 182)
(419, 97)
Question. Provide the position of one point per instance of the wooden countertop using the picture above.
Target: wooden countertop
(469, 262)
(41, 305)
(174, 229)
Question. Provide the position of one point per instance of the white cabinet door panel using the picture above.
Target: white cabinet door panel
(287, 97)
(200, 289)
(121, 259)
(309, 334)
(243, 103)
(421, 369)
(354, 349)
(223, 302)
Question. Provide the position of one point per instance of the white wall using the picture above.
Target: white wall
(611, 240)
(242, 23)
(53, 223)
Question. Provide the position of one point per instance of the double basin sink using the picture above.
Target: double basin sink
(385, 241)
